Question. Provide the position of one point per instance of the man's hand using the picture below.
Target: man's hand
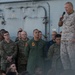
(9, 58)
(61, 18)
(60, 21)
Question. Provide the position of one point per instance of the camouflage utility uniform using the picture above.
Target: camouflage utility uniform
(21, 55)
(7, 49)
(68, 42)
(54, 55)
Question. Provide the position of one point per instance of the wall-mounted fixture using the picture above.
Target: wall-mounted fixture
(45, 20)
(9, 8)
(2, 18)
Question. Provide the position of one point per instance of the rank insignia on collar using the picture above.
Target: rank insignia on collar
(33, 44)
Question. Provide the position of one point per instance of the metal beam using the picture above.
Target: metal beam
(23, 1)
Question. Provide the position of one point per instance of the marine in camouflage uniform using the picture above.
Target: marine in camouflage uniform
(54, 55)
(22, 62)
(18, 36)
(8, 50)
(0, 59)
(34, 51)
(68, 38)
(1, 38)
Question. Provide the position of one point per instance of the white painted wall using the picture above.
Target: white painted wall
(14, 17)
(56, 10)
(12, 25)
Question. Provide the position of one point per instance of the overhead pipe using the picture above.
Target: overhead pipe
(49, 18)
(22, 1)
(44, 18)
(45, 21)
(37, 7)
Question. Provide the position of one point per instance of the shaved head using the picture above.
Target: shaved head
(69, 3)
(23, 32)
(69, 7)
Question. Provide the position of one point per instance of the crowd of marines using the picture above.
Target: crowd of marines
(27, 54)
(36, 56)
